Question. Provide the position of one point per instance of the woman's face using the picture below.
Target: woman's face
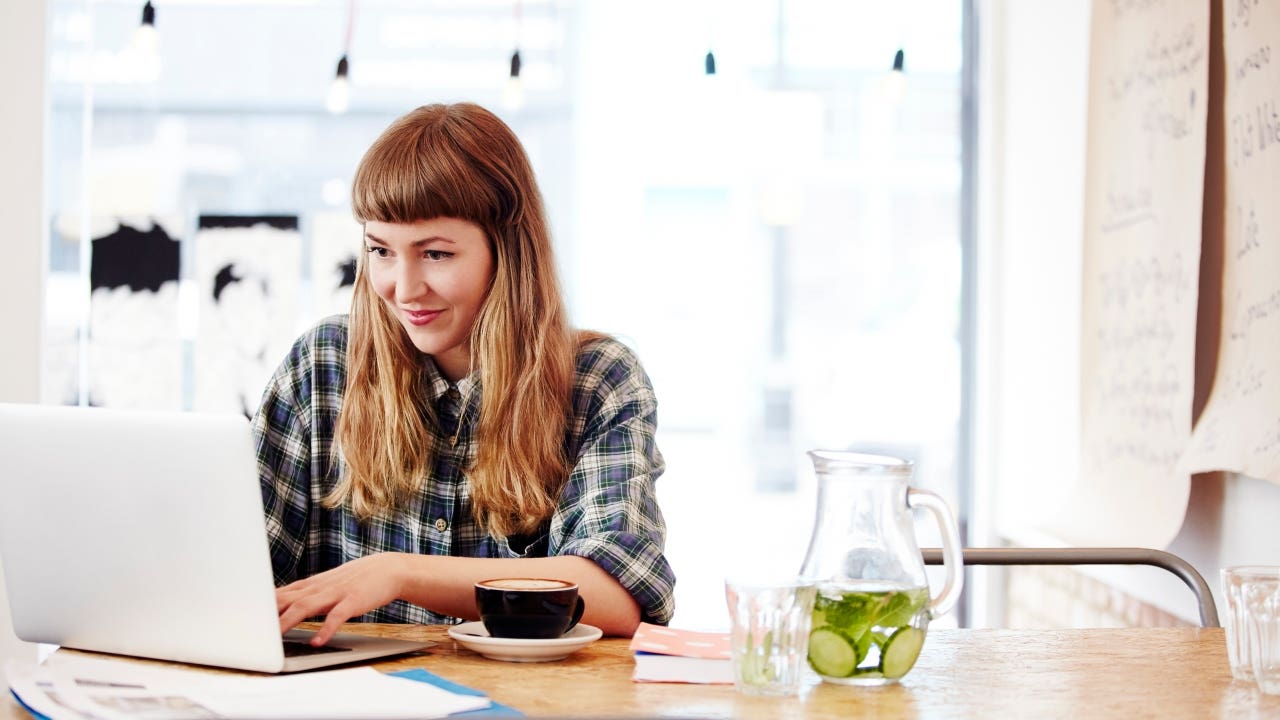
(434, 276)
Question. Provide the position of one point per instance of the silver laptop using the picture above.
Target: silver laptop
(142, 533)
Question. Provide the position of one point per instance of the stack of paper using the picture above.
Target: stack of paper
(76, 687)
(683, 656)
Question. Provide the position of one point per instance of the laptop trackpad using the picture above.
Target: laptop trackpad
(293, 648)
(343, 648)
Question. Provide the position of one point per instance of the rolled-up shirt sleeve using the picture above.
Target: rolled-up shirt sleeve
(608, 510)
(282, 430)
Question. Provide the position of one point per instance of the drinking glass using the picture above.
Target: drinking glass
(1238, 652)
(1261, 599)
(770, 635)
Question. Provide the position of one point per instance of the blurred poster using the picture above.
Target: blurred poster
(336, 240)
(134, 357)
(1239, 429)
(247, 277)
(1144, 182)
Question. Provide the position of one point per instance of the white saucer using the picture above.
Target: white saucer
(473, 636)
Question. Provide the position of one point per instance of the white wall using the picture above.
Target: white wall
(1033, 131)
(22, 41)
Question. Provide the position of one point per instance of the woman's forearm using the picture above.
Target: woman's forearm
(446, 585)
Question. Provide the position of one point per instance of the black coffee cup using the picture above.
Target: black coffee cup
(538, 608)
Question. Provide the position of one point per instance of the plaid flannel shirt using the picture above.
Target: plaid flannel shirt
(607, 511)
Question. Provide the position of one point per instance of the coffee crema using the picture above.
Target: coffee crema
(525, 584)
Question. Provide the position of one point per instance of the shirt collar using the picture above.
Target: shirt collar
(437, 384)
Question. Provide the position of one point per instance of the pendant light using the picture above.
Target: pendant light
(141, 57)
(339, 98)
(513, 93)
(895, 82)
(145, 39)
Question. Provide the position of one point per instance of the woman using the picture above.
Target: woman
(454, 427)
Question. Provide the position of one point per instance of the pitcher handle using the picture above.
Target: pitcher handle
(951, 556)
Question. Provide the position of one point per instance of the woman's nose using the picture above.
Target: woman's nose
(410, 284)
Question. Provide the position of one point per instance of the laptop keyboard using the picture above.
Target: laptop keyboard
(293, 648)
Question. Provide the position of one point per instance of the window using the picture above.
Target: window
(780, 241)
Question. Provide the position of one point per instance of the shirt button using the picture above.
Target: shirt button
(453, 393)
(442, 524)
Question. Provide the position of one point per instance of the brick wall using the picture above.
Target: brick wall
(1062, 597)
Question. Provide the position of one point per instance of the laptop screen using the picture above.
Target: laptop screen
(136, 532)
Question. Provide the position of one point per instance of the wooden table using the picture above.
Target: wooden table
(1122, 673)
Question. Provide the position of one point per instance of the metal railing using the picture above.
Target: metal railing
(1093, 556)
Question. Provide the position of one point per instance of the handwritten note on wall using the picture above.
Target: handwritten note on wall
(1239, 429)
(1148, 89)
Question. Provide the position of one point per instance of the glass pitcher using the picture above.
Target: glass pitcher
(873, 606)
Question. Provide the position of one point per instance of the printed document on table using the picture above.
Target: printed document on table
(76, 687)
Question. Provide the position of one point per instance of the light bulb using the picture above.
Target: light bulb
(513, 94)
(892, 87)
(145, 40)
(339, 98)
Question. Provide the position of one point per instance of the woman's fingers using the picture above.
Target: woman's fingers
(339, 594)
(286, 595)
(304, 607)
(340, 613)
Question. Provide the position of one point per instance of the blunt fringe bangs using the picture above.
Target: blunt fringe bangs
(459, 161)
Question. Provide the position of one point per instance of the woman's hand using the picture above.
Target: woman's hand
(342, 593)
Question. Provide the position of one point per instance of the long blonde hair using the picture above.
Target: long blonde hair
(461, 161)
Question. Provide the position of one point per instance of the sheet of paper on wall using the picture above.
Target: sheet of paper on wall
(134, 356)
(665, 654)
(247, 276)
(78, 687)
(1239, 429)
(1144, 186)
(336, 239)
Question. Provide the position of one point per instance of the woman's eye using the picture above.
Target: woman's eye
(436, 254)
(376, 250)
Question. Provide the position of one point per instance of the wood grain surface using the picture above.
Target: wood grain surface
(1103, 673)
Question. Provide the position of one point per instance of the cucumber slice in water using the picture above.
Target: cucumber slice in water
(831, 653)
(900, 652)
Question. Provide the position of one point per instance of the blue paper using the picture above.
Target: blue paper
(494, 710)
(27, 707)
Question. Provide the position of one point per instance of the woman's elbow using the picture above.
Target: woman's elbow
(615, 616)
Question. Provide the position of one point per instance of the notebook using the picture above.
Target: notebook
(142, 533)
(665, 654)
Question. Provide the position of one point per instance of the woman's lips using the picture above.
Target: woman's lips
(421, 317)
